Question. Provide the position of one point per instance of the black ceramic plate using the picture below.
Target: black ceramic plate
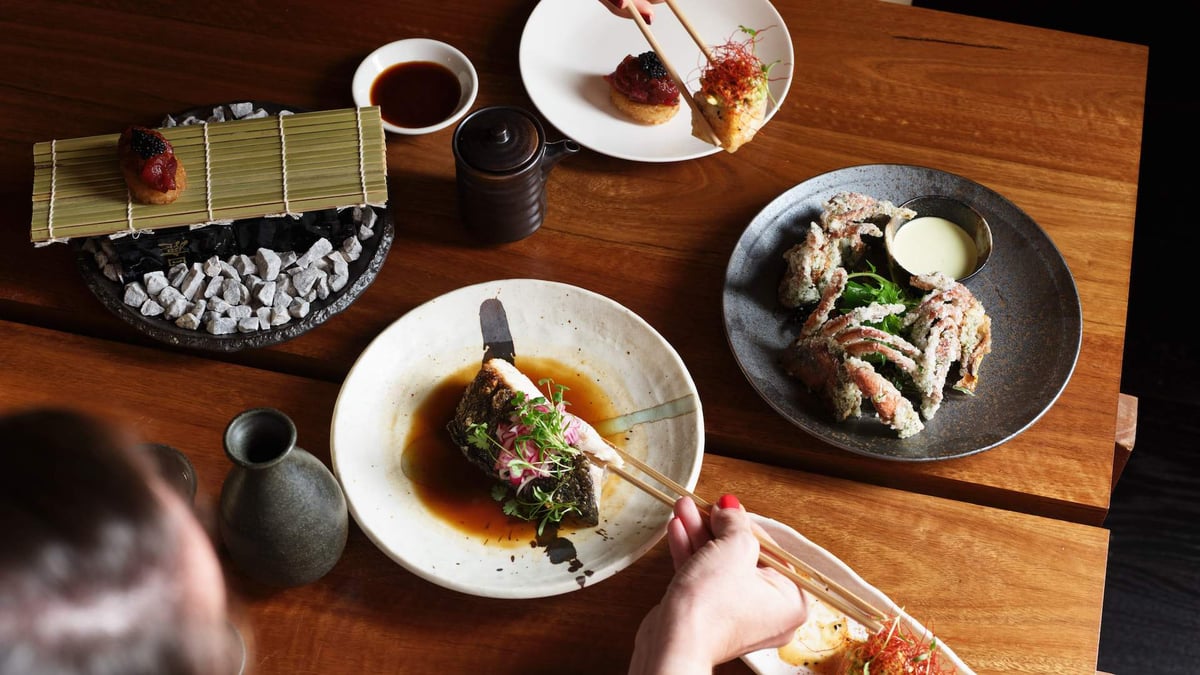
(362, 273)
(1026, 288)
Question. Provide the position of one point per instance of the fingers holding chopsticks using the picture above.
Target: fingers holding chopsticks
(739, 605)
(621, 7)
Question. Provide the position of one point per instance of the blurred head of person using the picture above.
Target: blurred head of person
(104, 570)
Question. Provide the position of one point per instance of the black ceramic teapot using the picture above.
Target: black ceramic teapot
(501, 162)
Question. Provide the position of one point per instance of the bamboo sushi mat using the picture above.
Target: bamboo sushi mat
(250, 168)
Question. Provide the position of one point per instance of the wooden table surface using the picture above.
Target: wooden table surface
(1009, 592)
(998, 541)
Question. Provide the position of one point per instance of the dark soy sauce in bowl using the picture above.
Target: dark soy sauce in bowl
(416, 94)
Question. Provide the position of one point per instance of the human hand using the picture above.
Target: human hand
(721, 604)
(621, 7)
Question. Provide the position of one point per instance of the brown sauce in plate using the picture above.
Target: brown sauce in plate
(452, 488)
(416, 94)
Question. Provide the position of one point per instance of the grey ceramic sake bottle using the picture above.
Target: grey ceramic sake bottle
(282, 516)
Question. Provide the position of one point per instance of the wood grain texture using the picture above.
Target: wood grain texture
(972, 573)
(1151, 590)
(1050, 120)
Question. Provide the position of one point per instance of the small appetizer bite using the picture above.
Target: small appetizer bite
(733, 94)
(829, 643)
(148, 164)
(531, 446)
(642, 88)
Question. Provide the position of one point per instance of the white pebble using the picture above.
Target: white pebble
(242, 109)
(244, 264)
(268, 263)
(282, 299)
(176, 274)
(248, 325)
(221, 326)
(319, 249)
(214, 286)
(298, 308)
(177, 308)
(135, 294)
(239, 311)
(156, 281)
(266, 294)
(169, 295)
(150, 308)
(231, 291)
(303, 280)
(212, 267)
(351, 249)
(188, 322)
(192, 282)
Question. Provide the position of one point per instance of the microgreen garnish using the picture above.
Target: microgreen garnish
(536, 447)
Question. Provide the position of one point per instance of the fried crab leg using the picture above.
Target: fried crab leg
(949, 325)
(825, 358)
(837, 241)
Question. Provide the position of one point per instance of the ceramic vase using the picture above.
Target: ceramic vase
(282, 514)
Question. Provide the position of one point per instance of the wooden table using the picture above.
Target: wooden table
(1010, 592)
(1050, 120)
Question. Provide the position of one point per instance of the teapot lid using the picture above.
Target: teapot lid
(498, 139)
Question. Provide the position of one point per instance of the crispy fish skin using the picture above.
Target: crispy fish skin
(488, 400)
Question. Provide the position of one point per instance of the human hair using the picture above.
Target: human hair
(89, 565)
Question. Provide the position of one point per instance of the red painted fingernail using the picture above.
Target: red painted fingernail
(616, 3)
(728, 502)
(646, 18)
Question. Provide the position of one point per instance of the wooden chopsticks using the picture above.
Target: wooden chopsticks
(662, 56)
(771, 554)
(687, 25)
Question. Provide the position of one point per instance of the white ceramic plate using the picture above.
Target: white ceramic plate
(768, 661)
(568, 46)
(634, 366)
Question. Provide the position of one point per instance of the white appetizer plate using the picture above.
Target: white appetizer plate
(568, 46)
(768, 661)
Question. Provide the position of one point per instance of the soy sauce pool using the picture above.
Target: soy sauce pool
(456, 491)
(416, 94)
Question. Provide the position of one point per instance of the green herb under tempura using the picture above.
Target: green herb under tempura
(533, 455)
(864, 288)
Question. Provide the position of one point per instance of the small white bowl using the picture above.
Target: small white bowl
(417, 49)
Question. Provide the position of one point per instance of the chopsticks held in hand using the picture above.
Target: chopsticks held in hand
(771, 554)
(662, 56)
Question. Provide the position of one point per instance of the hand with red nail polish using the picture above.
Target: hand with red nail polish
(621, 7)
(721, 604)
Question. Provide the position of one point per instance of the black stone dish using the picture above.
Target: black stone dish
(199, 244)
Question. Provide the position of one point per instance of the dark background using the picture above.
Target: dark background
(1151, 618)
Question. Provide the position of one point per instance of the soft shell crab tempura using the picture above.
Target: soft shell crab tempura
(897, 355)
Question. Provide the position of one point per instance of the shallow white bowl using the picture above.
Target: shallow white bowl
(377, 416)
(417, 49)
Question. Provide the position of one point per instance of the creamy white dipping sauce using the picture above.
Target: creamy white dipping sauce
(932, 244)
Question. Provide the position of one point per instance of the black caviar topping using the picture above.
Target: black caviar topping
(652, 65)
(146, 143)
